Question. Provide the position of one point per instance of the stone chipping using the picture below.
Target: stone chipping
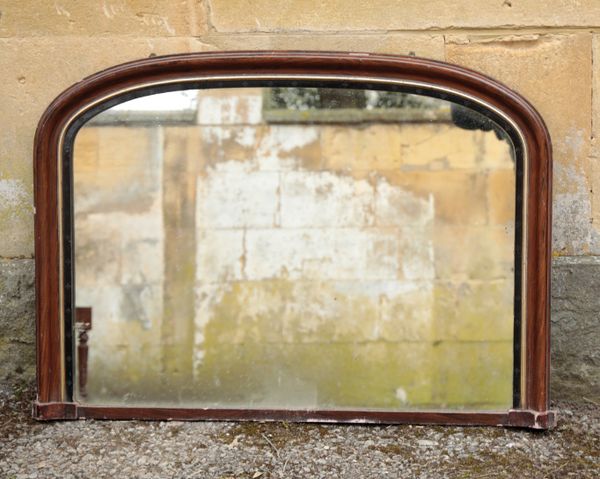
(223, 450)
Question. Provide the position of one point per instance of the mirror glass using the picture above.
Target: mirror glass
(294, 248)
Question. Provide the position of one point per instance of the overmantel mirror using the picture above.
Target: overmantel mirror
(293, 236)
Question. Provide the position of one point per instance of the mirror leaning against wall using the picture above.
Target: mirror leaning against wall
(293, 236)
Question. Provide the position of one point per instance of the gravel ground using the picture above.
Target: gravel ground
(133, 449)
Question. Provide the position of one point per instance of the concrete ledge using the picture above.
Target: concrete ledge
(17, 322)
(575, 368)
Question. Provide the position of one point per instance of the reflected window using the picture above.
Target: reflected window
(338, 105)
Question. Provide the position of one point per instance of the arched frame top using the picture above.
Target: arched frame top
(246, 68)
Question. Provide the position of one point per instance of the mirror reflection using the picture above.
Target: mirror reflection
(294, 248)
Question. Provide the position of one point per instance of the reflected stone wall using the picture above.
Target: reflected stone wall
(258, 264)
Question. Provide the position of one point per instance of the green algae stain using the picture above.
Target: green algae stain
(301, 344)
(283, 344)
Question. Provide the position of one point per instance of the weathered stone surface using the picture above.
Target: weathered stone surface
(52, 65)
(575, 323)
(340, 15)
(595, 154)
(274, 240)
(375, 147)
(109, 18)
(491, 257)
(484, 376)
(596, 96)
(427, 45)
(501, 196)
(474, 311)
(122, 164)
(554, 72)
(75, 39)
(16, 218)
(217, 108)
(452, 190)
(595, 193)
(576, 328)
(17, 321)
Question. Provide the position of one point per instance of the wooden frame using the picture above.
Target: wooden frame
(53, 398)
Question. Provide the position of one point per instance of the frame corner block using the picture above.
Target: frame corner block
(54, 411)
(530, 419)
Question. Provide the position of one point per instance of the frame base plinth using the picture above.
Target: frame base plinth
(54, 411)
(521, 418)
(532, 419)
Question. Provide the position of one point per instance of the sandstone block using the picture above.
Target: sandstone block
(116, 169)
(233, 197)
(52, 65)
(501, 197)
(408, 314)
(326, 200)
(474, 310)
(226, 143)
(595, 160)
(375, 147)
(484, 378)
(220, 255)
(338, 15)
(99, 252)
(445, 146)
(473, 252)
(280, 311)
(334, 253)
(427, 45)
(230, 106)
(554, 72)
(288, 147)
(396, 206)
(458, 195)
(111, 18)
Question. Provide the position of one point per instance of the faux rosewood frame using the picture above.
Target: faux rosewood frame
(55, 308)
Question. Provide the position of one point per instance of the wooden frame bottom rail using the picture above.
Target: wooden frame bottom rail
(511, 418)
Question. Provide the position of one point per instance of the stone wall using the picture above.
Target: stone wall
(545, 49)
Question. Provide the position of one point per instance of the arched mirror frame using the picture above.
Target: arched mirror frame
(531, 407)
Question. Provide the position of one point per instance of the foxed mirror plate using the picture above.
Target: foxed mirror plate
(295, 247)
